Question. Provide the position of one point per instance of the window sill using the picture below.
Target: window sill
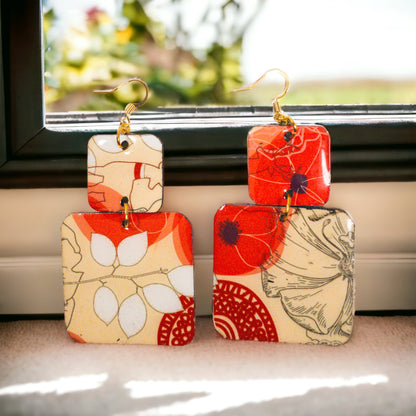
(207, 146)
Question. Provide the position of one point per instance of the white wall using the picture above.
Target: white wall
(30, 221)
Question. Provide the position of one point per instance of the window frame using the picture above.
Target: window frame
(202, 145)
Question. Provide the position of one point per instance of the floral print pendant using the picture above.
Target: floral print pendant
(280, 161)
(128, 286)
(289, 281)
(133, 171)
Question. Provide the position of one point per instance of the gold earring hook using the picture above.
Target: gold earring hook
(124, 126)
(255, 83)
(282, 118)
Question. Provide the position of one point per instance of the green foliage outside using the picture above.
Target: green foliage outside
(106, 53)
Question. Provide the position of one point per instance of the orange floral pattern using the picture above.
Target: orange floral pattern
(246, 238)
(282, 162)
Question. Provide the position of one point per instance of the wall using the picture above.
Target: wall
(30, 220)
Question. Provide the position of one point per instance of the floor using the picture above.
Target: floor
(44, 372)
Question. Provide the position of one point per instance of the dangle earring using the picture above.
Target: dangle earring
(128, 273)
(283, 269)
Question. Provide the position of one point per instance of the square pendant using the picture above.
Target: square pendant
(279, 161)
(289, 281)
(134, 171)
(128, 286)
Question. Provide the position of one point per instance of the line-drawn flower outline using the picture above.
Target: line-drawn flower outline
(317, 292)
(276, 165)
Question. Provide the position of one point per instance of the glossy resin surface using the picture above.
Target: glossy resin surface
(280, 161)
(135, 173)
(128, 286)
(288, 281)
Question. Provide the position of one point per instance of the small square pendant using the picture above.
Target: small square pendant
(128, 286)
(134, 171)
(279, 161)
(289, 281)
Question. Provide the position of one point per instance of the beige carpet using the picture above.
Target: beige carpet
(43, 372)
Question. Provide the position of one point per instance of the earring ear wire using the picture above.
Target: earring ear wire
(280, 117)
(124, 126)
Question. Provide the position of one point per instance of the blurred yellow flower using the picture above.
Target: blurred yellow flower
(123, 36)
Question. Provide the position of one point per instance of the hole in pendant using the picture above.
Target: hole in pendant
(283, 216)
(288, 136)
(289, 193)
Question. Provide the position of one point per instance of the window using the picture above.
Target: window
(195, 53)
(369, 143)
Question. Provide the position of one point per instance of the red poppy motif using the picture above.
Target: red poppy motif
(280, 161)
(246, 238)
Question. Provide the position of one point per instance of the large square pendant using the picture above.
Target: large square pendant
(128, 286)
(289, 281)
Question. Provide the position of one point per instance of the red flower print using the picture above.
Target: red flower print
(246, 237)
(280, 161)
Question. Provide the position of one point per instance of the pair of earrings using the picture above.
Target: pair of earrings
(283, 269)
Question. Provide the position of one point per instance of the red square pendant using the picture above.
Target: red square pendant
(280, 161)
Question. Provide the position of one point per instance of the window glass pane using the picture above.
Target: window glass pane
(195, 52)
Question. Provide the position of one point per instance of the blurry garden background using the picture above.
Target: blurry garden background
(194, 52)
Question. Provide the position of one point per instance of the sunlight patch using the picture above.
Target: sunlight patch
(222, 395)
(61, 386)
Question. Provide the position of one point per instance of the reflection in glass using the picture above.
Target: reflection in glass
(194, 53)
